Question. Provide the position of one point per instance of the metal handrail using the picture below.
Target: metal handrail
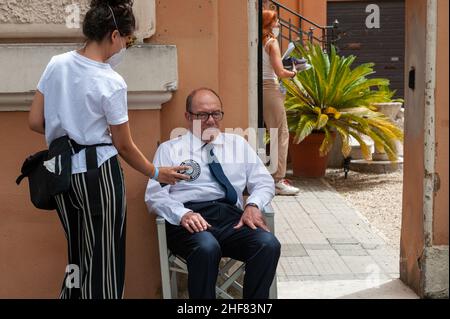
(328, 33)
(298, 15)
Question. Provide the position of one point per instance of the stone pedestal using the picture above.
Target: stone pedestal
(380, 163)
(390, 110)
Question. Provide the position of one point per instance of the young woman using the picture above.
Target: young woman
(274, 112)
(81, 96)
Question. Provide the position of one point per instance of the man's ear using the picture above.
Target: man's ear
(187, 116)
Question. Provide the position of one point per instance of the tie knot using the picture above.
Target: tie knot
(210, 152)
(209, 148)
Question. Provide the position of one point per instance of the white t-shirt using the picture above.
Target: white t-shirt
(82, 97)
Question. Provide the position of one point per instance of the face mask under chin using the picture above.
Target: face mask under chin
(117, 58)
(276, 32)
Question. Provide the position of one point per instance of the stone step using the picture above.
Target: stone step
(379, 167)
(336, 158)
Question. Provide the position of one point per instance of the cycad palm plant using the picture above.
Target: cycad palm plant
(334, 97)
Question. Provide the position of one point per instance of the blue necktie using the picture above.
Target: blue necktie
(219, 175)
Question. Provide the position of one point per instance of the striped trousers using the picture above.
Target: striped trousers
(96, 243)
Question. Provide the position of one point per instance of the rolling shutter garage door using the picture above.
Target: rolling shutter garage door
(384, 46)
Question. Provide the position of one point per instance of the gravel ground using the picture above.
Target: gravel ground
(378, 197)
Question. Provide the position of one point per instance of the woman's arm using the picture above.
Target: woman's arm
(275, 59)
(36, 116)
(124, 144)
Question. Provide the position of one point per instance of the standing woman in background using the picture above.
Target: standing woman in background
(80, 96)
(273, 98)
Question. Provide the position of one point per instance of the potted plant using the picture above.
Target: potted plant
(332, 98)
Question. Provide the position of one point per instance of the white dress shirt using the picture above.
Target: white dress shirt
(239, 161)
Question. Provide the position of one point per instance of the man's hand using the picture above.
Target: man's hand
(194, 222)
(253, 218)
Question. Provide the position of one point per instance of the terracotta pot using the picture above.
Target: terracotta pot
(306, 159)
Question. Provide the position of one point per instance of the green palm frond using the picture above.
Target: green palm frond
(365, 150)
(322, 121)
(345, 136)
(334, 95)
(305, 127)
(327, 143)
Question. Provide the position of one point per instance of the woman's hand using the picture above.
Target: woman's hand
(124, 144)
(171, 175)
(294, 73)
(273, 49)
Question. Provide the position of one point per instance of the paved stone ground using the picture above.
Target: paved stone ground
(329, 250)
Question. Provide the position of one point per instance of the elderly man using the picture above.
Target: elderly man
(206, 215)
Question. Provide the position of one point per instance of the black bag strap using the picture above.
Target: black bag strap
(92, 174)
(21, 177)
(78, 147)
(30, 164)
(93, 180)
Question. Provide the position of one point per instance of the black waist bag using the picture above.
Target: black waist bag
(59, 165)
(34, 169)
(49, 173)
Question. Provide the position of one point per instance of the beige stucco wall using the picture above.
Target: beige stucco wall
(60, 21)
(37, 11)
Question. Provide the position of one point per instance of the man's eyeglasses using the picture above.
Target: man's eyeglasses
(204, 116)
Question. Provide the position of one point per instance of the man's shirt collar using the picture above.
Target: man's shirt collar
(197, 143)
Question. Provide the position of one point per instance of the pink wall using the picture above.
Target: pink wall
(212, 43)
(441, 208)
(33, 247)
(412, 238)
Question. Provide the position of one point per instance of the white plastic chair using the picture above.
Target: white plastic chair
(230, 271)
